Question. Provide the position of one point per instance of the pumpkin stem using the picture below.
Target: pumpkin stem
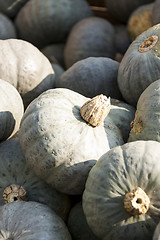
(136, 202)
(14, 193)
(148, 43)
(95, 110)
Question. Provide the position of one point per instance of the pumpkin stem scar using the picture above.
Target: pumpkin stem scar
(136, 125)
(95, 110)
(148, 43)
(14, 193)
(136, 202)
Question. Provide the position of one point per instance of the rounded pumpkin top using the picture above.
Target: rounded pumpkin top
(28, 220)
(59, 145)
(122, 194)
(140, 65)
(26, 68)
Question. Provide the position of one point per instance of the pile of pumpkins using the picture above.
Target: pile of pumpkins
(79, 127)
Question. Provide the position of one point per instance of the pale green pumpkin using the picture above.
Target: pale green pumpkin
(122, 194)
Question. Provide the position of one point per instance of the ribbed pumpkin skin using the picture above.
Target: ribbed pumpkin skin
(26, 68)
(31, 220)
(58, 144)
(122, 9)
(14, 170)
(77, 224)
(116, 173)
(138, 70)
(43, 22)
(90, 37)
(155, 12)
(11, 7)
(11, 110)
(92, 76)
(7, 28)
(146, 125)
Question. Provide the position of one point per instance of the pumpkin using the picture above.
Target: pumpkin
(121, 199)
(122, 38)
(146, 124)
(122, 114)
(122, 9)
(140, 20)
(7, 28)
(26, 68)
(58, 70)
(140, 65)
(55, 53)
(11, 7)
(11, 110)
(77, 224)
(46, 22)
(31, 220)
(90, 37)
(19, 183)
(92, 76)
(156, 235)
(63, 133)
(155, 12)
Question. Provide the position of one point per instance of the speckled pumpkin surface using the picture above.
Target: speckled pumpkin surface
(140, 65)
(146, 124)
(11, 110)
(58, 144)
(26, 68)
(122, 194)
(15, 171)
(31, 220)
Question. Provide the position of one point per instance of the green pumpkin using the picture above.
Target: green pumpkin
(26, 68)
(140, 65)
(146, 124)
(121, 199)
(31, 220)
(7, 28)
(19, 183)
(90, 37)
(63, 133)
(11, 110)
(46, 22)
(92, 76)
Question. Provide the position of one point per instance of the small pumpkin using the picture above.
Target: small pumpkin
(11, 110)
(92, 76)
(31, 220)
(46, 22)
(77, 224)
(146, 124)
(90, 37)
(121, 199)
(26, 68)
(140, 65)
(19, 183)
(63, 133)
(140, 20)
(7, 28)
(122, 9)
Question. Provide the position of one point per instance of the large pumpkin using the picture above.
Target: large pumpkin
(11, 110)
(46, 22)
(122, 194)
(90, 37)
(26, 68)
(92, 76)
(62, 137)
(19, 183)
(140, 65)
(31, 220)
(146, 124)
